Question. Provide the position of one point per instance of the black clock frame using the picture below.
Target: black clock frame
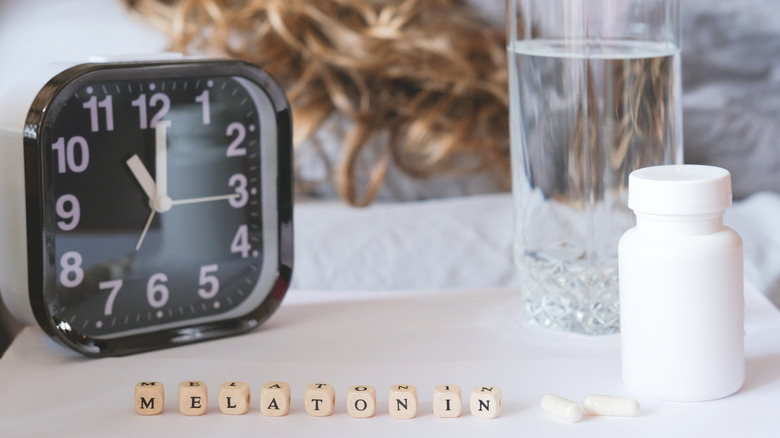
(41, 269)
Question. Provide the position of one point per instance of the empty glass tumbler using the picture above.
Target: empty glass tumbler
(594, 94)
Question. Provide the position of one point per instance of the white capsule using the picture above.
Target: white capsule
(611, 405)
(562, 408)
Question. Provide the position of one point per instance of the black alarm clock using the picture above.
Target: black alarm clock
(145, 204)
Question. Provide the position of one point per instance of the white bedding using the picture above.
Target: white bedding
(466, 243)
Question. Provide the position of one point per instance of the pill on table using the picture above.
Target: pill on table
(562, 408)
(611, 405)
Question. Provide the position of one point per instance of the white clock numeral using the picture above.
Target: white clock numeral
(203, 99)
(238, 181)
(72, 274)
(113, 286)
(235, 149)
(208, 281)
(240, 242)
(69, 210)
(93, 105)
(156, 291)
(157, 99)
(67, 159)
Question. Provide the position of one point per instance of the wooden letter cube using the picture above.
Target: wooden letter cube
(447, 401)
(361, 401)
(149, 398)
(193, 398)
(402, 402)
(275, 399)
(320, 399)
(486, 402)
(234, 398)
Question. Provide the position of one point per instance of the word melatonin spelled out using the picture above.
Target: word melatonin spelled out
(319, 400)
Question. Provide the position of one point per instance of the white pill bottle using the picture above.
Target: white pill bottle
(681, 286)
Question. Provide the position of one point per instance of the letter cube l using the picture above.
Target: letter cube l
(234, 398)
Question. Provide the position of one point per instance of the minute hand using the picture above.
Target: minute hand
(205, 199)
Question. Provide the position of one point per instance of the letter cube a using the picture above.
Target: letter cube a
(275, 399)
(149, 398)
(402, 402)
(485, 402)
(193, 398)
(447, 401)
(320, 399)
(234, 398)
(361, 401)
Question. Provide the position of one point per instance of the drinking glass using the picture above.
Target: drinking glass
(594, 94)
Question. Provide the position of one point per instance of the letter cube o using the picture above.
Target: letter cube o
(193, 398)
(361, 401)
(320, 399)
(275, 399)
(234, 398)
(149, 398)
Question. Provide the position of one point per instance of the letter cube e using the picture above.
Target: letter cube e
(193, 398)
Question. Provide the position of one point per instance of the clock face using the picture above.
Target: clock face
(159, 200)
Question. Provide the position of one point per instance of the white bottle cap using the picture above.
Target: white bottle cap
(679, 189)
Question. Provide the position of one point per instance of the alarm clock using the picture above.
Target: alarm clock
(145, 205)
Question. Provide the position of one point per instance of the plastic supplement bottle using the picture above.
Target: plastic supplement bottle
(681, 286)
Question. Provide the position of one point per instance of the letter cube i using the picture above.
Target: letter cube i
(486, 402)
(149, 398)
(320, 399)
(402, 402)
(234, 398)
(275, 399)
(193, 398)
(361, 401)
(447, 401)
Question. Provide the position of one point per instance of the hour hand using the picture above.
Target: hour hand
(142, 176)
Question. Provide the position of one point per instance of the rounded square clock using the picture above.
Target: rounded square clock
(146, 204)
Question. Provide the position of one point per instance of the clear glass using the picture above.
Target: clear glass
(594, 94)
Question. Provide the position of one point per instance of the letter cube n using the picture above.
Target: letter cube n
(402, 402)
(486, 402)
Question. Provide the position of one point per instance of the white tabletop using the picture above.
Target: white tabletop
(421, 338)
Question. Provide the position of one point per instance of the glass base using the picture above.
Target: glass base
(569, 297)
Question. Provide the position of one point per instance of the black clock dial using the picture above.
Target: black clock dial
(157, 201)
